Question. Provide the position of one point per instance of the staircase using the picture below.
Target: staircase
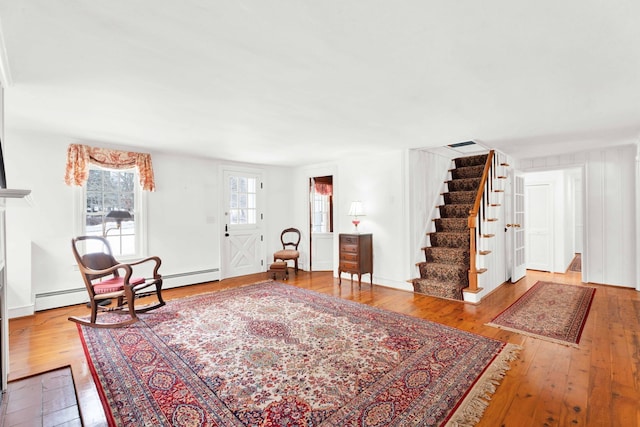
(445, 271)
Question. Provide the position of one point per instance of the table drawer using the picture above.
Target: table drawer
(348, 256)
(348, 266)
(349, 240)
(348, 248)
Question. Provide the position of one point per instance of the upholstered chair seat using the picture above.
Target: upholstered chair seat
(290, 239)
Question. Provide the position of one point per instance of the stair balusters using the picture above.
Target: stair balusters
(476, 218)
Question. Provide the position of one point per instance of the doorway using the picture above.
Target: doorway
(538, 209)
(321, 223)
(554, 209)
(242, 249)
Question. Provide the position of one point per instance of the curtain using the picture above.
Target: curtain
(324, 189)
(79, 157)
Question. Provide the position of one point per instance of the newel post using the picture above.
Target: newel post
(473, 271)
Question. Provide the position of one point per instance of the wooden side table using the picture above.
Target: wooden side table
(356, 256)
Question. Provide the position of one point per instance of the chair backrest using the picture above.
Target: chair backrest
(290, 237)
(101, 259)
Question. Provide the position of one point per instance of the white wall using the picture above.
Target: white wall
(380, 182)
(184, 226)
(609, 255)
(428, 171)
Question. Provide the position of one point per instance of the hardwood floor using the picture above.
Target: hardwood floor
(597, 384)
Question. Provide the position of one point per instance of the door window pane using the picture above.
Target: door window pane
(242, 200)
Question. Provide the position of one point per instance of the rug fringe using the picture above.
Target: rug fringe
(532, 335)
(475, 403)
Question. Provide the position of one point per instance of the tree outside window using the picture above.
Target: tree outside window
(112, 191)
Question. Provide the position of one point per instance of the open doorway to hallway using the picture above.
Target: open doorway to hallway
(554, 214)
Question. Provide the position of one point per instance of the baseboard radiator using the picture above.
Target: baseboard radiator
(65, 297)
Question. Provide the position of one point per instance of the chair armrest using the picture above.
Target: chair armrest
(109, 270)
(155, 259)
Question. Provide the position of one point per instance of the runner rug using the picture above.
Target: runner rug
(576, 264)
(270, 354)
(551, 311)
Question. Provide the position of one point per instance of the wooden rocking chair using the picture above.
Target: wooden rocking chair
(106, 279)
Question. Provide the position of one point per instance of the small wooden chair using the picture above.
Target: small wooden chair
(105, 278)
(290, 239)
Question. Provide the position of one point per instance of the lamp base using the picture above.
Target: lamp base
(355, 223)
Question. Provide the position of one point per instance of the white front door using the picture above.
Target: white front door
(242, 241)
(539, 226)
(517, 229)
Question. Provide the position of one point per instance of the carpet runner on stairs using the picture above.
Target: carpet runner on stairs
(445, 271)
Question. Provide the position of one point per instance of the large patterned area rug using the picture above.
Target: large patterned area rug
(270, 354)
(551, 311)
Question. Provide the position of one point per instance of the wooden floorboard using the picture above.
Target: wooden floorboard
(596, 384)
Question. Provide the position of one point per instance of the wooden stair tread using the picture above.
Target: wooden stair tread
(504, 164)
(484, 252)
(488, 235)
(491, 219)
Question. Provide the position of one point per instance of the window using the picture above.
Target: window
(242, 202)
(112, 209)
(321, 213)
(321, 198)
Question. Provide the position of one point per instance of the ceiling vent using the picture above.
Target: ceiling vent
(466, 147)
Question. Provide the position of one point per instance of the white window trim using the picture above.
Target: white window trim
(140, 211)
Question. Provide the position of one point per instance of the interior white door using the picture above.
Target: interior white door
(517, 226)
(322, 250)
(320, 214)
(538, 209)
(242, 243)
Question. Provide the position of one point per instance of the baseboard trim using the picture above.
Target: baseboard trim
(66, 297)
(26, 310)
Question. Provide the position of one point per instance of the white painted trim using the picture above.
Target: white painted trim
(638, 216)
(26, 310)
(69, 297)
(5, 72)
(190, 278)
(377, 281)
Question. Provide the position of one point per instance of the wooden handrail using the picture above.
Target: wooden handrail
(473, 214)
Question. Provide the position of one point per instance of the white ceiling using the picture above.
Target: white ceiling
(291, 82)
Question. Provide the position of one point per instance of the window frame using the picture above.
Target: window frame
(140, 212)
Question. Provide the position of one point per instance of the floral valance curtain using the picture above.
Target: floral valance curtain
(79, 157)
(323, 185)
(324, 189)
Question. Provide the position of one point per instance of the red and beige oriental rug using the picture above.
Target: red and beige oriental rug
(551, 311)
(271, 354)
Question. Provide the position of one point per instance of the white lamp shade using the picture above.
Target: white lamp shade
(356, 209)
